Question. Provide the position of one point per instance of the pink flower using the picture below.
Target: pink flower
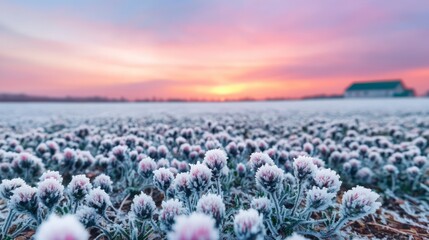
(196, 226)
(65, 228)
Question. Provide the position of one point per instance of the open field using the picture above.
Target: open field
(321, 169)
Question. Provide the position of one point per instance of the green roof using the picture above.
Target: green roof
(376, 85)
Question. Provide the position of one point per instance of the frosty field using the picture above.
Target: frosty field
(316, 169)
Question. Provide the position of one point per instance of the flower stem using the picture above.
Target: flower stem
(277, 206)
(297, 200)
(8, 222)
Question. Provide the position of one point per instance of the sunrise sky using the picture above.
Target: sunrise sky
(210, 49)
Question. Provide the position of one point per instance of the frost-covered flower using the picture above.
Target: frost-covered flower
(241, 169)
(181, 184)
(53, 175)
(413, 172)
(24, 199)
(163, 178)
(319, 163)
(248, 225)
(61, 228)
(98, 199)
(289, 179)
(259, 159)
(390, 169)
(327, 178)
(199, 177)
(364, 175)
(212, 205)
(359, 202)
(50, 192)
(103, 181)
(420, 161)
(143, 206)
(87, 216)
(216, 160)
(8, 186)
(162, 151)
(170, 210)
(304, 167)
(262, 205)
(196, 226)
(120, 152)
(269, 178)
(79, 187)
(319, 199)
(146, 166)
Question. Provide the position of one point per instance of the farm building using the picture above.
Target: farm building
(373, 89)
